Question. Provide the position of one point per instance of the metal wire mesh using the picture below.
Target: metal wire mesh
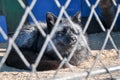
(87, 74)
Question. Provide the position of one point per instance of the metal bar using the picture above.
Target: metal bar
(77, 76)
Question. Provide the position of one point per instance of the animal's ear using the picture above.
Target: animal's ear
(50, 19)
(77, 18)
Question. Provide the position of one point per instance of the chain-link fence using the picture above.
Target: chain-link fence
(87, 73)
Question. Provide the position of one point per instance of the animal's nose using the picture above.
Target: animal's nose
(73, 38)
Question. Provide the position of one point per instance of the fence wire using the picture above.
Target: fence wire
(87, 74)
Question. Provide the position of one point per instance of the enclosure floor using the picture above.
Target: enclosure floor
(109, 58)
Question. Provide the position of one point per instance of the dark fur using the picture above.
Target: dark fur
(108, 11)
(64, 39)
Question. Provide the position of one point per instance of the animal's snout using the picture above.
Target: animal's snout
(74, 39)
(70, 40)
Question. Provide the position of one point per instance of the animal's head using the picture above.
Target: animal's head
(66, 34)
(51, 20)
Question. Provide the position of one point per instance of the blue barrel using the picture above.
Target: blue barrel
(4, 27)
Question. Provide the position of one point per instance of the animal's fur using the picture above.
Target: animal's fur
(108, 11)
(64, 39)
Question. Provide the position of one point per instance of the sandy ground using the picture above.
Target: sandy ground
(109, 58)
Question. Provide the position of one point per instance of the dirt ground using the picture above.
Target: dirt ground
(109, 58)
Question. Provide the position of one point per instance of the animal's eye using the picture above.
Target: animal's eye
(63, 31)
(75, 31)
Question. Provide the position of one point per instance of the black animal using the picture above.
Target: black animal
(64, 38)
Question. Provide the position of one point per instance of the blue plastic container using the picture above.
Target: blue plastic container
(86, 10)
(43, 6)
(4, 27)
